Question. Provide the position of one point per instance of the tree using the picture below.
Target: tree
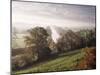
(69, 41)
(37, 41)
(88, 37)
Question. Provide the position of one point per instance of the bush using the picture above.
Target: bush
(89, 60)
(20, 61)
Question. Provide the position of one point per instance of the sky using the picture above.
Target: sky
(29, 14)
(26, 15)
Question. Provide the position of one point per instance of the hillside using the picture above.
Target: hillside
(63, 62)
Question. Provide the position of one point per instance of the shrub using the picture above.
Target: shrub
(20, 61)
(89, 60)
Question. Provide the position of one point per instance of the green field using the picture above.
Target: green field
(63, 62)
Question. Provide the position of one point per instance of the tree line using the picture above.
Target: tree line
(40, 45)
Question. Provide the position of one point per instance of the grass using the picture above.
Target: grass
(64, 62)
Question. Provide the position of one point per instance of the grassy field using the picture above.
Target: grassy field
(64, 62)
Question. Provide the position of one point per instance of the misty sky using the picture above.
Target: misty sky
(28, 14)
